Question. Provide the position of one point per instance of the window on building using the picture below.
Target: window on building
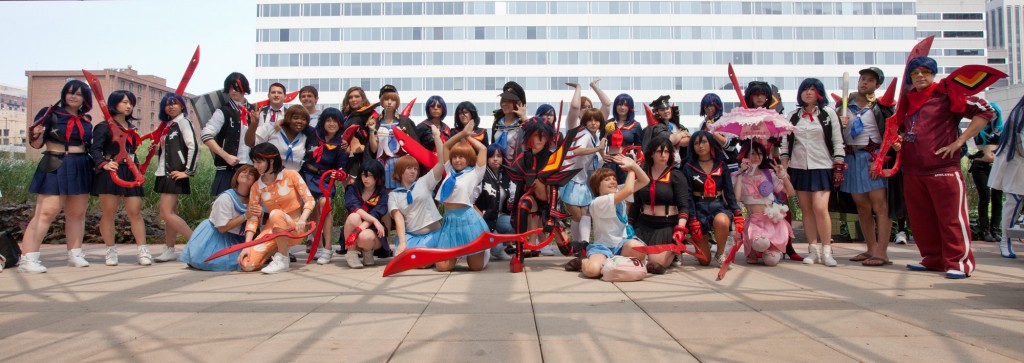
(963, 16)
(963, 34)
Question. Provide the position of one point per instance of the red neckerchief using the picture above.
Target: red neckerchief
(710, 187)
(370, 203)
(810, 115)
(243, 113)
(916, 99)
(132, 138)
(666, 177)
(74, 122)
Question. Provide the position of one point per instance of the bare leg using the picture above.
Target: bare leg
(174, 224)
(108, 204)
(592, 265)
(47, 208)
(74, 218)
(880, 205)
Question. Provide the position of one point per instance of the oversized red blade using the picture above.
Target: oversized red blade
(413, 147)
(651, 120)
(310, 226)
(97, 91)
(893, 123)
(349, 133)
(730, 257)
(408, 108)
(287, 98)
(420, 257)
(326, 210)
(736, 86)
(188, 73)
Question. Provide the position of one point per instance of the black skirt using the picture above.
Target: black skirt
(102, 183)
(167, 185)
(654, 230)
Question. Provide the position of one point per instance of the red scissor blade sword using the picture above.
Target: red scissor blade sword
(188, 73)
(730, 257)
(326, 210)
(736, 86)
(97, 91)
(310, 226)
(420, 257)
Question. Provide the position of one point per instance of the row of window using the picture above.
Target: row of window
(950, 16)
(582, 32)
(956, 52)
(491, 84)
(573, 58)
(586, 7)
(951, 33)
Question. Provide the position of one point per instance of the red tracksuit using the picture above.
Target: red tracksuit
(934, 187)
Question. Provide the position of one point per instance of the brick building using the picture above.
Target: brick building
(44, 90)
(12, 115)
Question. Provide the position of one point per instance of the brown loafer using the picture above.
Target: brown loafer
(575, 264)
(653, 268)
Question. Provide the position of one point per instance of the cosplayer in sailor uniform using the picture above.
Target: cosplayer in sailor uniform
(931, 167)
(507, 128)
(325, 152)
(767, 232)
(411, 205)
(667, 127)
(289, 204)
(224, 228)
(612, 234)
(576, 193)
(364, 227)
(60, 173)
(711, 195)
(224, 132)
(627, 129)
(293, 148)
(423, 129)
(1008, 174)
(462, 224)
(388, 149)
(662, 206)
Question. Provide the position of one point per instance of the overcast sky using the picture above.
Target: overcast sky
(154, 37)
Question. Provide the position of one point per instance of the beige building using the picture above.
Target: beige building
(959, 30)
(44, 90)
(1004, 37)
(12, 115)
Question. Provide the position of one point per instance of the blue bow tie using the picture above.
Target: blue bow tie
(449, 184)
(289, 154)
(408, 192)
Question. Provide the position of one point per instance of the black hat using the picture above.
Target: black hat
(513, 91)
(387, 89)
(661, 103)
(878, 73)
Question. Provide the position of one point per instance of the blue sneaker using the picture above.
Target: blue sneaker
(916, 267)
(955, 274)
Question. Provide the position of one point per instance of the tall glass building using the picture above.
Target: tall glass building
(466, 50)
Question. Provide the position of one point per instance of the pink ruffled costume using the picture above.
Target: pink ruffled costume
(768, 232)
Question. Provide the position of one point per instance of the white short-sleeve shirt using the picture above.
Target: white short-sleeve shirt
(609, 230)
(464, 185)
(224, 210)
(422, 212)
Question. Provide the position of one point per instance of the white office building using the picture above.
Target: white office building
(467, 50)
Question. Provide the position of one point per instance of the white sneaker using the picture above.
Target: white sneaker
(145, 258)
(678, 261)
(901, 238)
(720, 260)
(325, 257)
(29, 262)
(76, 258)
(826, 256)
(167, 255)
(548, 250)
(279, 263)
(813, 255)
(368, 258)
(352, 256)
(111, 256)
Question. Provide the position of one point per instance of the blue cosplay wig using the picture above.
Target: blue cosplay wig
(818, 87)
(717, 153)
(1011, 132)
(493, 149)
(171, 98)
(708, 100)
(118, 96)
(623, 99)
(994, 127)
(545, 109)
(76, 85)
(330, 113)
(435, 100)
(918, 62)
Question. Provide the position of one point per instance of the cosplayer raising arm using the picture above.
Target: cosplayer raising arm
(270, 115)
(415, 216)
(612, 235)
(580, 104)
(225, 227)
(284, 195)
(326, 153)
(767, 231)
(289, 135)
(464, 113)
(225, 130)
(103, 150)
(662, 208)
(466, 163)
(576, 194)
(176, 165)
(367, 206)
(388, 149)
(64, 175)
(811, 156)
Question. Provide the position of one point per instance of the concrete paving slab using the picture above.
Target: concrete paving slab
(152, 349)
(921, 349)
(348, 349)
(626, 350)
(328, 326)
(217, 326)
(583, 302)
(418, 351)
(599, 326)
(764, 350)
(734, 324)
(377, 302)
(846, 323)
(459, 303)
(472, 327)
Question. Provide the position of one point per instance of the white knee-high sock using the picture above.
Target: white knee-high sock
(584, 229)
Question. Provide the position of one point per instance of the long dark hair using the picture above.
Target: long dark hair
(117, 96)
(660, 142)
(757, 147)
(717, 153)
(374, 168)
(75, 85)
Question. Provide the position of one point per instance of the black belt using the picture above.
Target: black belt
(62, 153)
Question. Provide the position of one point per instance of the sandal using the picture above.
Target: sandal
(861, 257)
(876, 262)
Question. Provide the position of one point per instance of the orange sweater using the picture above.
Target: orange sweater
(288, 193)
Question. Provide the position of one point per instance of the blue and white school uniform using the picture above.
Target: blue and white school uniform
(207, 239)
(293, 151)
(461, 225)
(577, 191)
(611, 231)
(856, 177)
(417, 207)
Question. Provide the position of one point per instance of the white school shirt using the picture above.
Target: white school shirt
(870, 133)
(809, 149)
(422, 212)
(224, 211)
(266, 133)
(584, 162)
(464, 185)
(609, 230)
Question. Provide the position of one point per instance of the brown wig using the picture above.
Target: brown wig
(346, 109)
(294, 110)
(244, 169)
(597, 177)
(465, 150)
(401, 164)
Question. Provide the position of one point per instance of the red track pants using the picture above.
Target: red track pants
(937, 209)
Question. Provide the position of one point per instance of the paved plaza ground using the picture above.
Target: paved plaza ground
(789, 313)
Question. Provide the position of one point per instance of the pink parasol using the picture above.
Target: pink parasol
(750, 123)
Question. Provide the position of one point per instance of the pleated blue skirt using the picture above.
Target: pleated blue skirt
(207, 240)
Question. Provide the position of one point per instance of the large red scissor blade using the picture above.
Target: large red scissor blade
(287, 98)
(97, 91)
(421, 257)
(736, 86)
(188, 73)
(310, 226)
(730, 257)
(408, 108)
(413, 147)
